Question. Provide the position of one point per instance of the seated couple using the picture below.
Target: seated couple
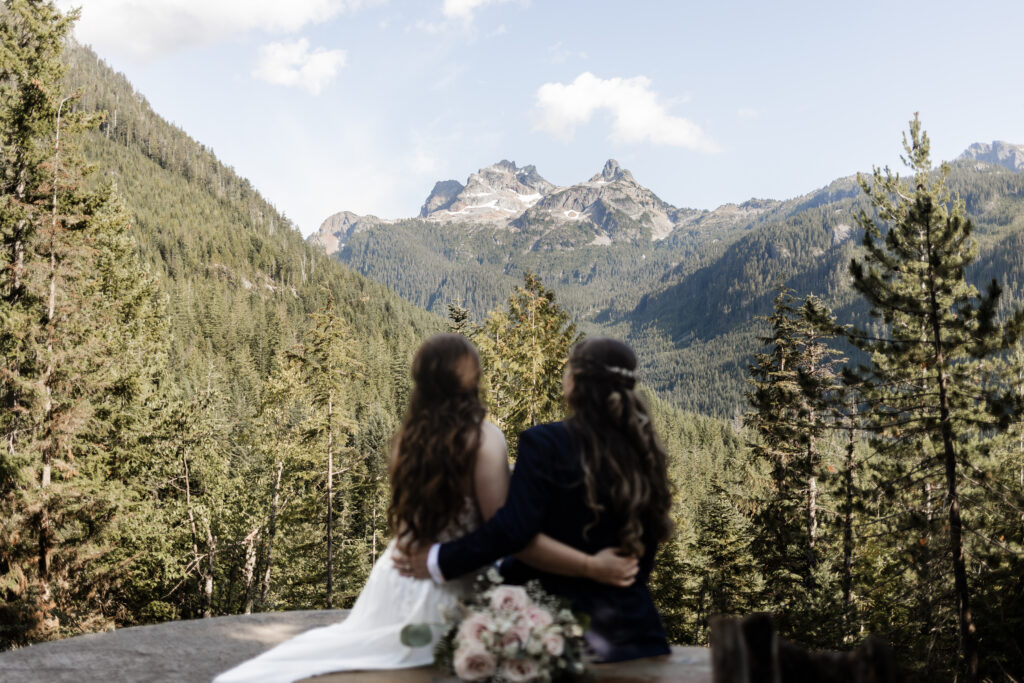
(583, 512)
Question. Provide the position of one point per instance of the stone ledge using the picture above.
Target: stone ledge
(199, 649)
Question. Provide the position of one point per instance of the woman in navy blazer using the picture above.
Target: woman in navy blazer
(598, 479)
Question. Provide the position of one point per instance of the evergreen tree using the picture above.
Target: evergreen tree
(285, 464)
(789, 383)
(523, 350)
(82, 339)
(721, 574)
(329, 369)
(922, 382)
(459, 321)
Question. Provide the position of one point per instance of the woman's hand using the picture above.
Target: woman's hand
(411, 561)
(612, 568)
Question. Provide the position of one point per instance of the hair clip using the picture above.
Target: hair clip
(628, 374)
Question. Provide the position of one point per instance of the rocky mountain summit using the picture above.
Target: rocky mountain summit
(494, 194)
(617, 207)
(609, 207)
(998, 152)
(339, 227)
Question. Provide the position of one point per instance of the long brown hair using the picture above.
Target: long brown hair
(435, 448)
(620, 451)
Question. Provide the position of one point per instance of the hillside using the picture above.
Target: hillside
(200, 225)
(685, 286)
(193, 469)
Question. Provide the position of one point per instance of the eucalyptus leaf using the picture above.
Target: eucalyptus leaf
(417, 635)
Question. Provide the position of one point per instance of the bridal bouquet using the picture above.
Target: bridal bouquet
(511, 634)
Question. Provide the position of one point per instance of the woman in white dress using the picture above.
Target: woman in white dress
(449, 471)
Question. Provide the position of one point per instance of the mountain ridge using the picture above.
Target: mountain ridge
(610, 206)
(688, 302)
(998, 152)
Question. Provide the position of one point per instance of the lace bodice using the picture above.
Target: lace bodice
(467, 521)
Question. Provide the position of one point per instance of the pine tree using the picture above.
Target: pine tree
(789, 383)
(459, 321)
(721, 574)
(82, 338)
(923, 381)
(523, 350)
(329, 369)
(284, 461)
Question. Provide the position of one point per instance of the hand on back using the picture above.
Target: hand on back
(613, 568)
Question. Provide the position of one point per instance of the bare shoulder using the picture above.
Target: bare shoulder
(492, 444)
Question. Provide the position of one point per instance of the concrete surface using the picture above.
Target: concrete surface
(197, 650)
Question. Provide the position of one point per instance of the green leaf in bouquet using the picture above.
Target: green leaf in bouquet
(444, 651)
(583, 619)
(417, 635)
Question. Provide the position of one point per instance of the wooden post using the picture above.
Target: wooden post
(749, 650)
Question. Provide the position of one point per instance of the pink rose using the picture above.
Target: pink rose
(474, 663)
(473, 627)
(538, 617)
(518, 635)
(510, 598)
(520, 670)
(554, 644)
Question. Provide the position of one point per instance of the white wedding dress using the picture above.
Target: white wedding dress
(370, 637)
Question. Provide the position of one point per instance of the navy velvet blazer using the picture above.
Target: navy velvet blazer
(547, 495)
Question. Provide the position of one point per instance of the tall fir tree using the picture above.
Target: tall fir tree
(923, 379)
(721, 574)
(81, 335)
(788, 384)
(329, 369)
(523, 350)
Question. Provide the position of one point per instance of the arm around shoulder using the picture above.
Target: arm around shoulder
(514, 524)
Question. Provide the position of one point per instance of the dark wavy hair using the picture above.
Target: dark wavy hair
(435, 448)
(621, 454)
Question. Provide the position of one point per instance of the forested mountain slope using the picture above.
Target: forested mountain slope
(690, 301)
(233, 265)
(197, 483)
(240, 463)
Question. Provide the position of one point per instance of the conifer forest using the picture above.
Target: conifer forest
(197, 405)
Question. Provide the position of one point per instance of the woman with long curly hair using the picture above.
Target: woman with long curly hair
(449, 472)
(597, 479)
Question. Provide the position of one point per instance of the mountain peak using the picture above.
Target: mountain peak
(998, 152)
(441, 197)
(612, 172)
(504, 165)
(494, 194)
(337, 228)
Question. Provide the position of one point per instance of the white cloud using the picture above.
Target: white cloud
(463, 9)
(293, 64)
(458, 16)
(149, 28)
(637, 114)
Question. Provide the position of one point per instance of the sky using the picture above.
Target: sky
(362, 105)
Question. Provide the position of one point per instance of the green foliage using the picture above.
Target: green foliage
(523, 351)
(788, 385)
(722, 576)
(914, 539)
(924, 383)
(164, 448)
(83, 346)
